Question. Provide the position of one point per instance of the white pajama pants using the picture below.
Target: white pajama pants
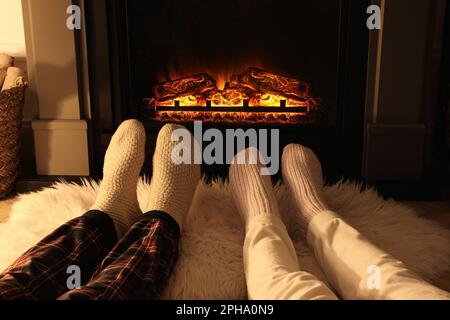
(354, 267)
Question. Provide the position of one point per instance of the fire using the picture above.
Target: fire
(268, 100)
(222, 79)
(187, 101)
(254, 95)
(231, 97)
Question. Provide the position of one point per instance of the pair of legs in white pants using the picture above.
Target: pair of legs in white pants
(354, 267)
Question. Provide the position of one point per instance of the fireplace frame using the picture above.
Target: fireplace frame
(111, 91)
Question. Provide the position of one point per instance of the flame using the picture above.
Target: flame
(222, 79)
(221, 72)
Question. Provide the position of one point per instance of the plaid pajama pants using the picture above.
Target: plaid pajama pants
(136, 267)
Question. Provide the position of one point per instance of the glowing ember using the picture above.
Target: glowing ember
(231, 117)
(270, 100)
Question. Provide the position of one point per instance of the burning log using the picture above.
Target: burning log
(196, 85)
(229, 96)
(262, 81)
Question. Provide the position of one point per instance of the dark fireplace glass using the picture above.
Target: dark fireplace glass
(173, 39)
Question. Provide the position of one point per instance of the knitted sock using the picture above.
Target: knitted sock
(302, 173)
(173, 185)
(123, 162)
(251, 191)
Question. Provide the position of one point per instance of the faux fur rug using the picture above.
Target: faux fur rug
(210, 261)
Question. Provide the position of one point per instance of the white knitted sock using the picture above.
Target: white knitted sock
(123, 162)
(173, 185)
(302, 173)
(251, 191)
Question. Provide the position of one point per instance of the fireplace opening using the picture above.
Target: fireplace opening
(297, 66)
(254, 96)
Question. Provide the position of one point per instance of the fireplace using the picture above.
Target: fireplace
(293, 65)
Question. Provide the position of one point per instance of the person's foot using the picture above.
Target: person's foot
(302, 174)
(251, 191)
(117, 195)
(173, 183)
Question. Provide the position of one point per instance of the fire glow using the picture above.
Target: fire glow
(252, 96)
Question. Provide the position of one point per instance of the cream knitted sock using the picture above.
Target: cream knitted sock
(123, 162)
(173, 185)
(302, 173)
(251, 191)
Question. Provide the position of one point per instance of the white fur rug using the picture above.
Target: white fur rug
(210, 261)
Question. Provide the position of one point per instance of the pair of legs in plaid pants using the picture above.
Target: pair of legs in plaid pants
(136, 267)
(118, 252)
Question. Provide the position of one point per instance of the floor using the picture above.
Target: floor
(435, 211)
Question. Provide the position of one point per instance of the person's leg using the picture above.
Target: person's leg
(141, 263)
(355, 267)
(42, 272)
(271, 266)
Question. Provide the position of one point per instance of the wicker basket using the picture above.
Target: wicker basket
(11, 103)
